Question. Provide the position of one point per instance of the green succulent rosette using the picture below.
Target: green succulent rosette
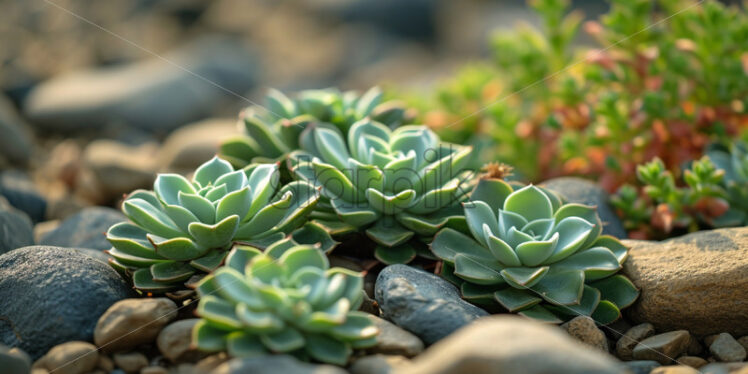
(285, 300)
(184, 227)
(398, 186)
(733, 159)
(275, 130)
(529, 253)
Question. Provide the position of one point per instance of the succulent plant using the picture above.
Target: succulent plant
(733, 159)
(285, 300)
(273, 132)
(530, 253)
(394, 185)
(185, 227)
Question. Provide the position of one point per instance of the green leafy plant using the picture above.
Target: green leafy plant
(275, 130)
(286, 300)
(398, 186)
(713, 192)
(652, 87)
(185, 227)
(530, 253)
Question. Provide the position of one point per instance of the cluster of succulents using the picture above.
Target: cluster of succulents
(549, 106)
(278, 128)
(529, 253)
(185, 227)
(713, 193)
(285, 300)
(398, 186)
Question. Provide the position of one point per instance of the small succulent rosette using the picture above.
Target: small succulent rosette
(529, 253)
(285, 300)
(398, 186)
(733, 159)
(275, 130)
(185, 227)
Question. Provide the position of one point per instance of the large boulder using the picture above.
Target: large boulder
(582, 191)
(158, 94)
(511, 344)
(696, 282)
(422, 303)
(85, 229)
(52, 295)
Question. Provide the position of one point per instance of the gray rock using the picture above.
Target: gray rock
(53, 295)
(422, 303)
(641, 366)
(585, 330)
(393, 340)
(130, 362)
(74, 357)
(16, 230)
(632, 337)
(189, 146)
(15, 137)
(119, 168)
(274, 364)
(582, 191)
(156, 95)
(692, 282)
(674, 369)
(131, 322)
(378, 364)
(692, 361)
(511, 344)
(726, 349)
(21, 193)
(86, 229)
(663, 348)
(175, 341)
(14, 360)
(725, 368)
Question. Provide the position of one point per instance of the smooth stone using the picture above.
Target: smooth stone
(393, 340)
(663, 348)
(53, 295)
(692, 361)
(119, 168)
(150, 94)
(154, 370)
(21, 193)
(75, 357)
(726, 349)
(131, 322)
(85, 229)
(692, 282)
(641, 366)
(378, 364)
(744, 342)
(422, 303)
(274, 364)
(15, 135)
(105, 363)
(582, 191)
(14, 360)
(585, 330)
(175, 342)
(130, 362)
(674, 369)
(632, 337)
(189, 146)
(511, 344)
(16, 229)
(725, 368)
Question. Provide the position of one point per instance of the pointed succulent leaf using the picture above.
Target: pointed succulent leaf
(178, 249)
(268, 142)
(478, 213)
(509, 220)
(572, 231)
(388, 232)
(199, 206)
(596, 262)
(390, 204)
(514, 299)
(301, 256)
(242, 344)
(332, 148)
(143, 280)
(617, 289)
(326, 349)
(533, 253)
(148, 216)
(502, 251)
(287, 340)
(218, 235)
(563, 288)
(167, 187)
(606, 313)
(263, 182)
(236, 203)
(356, 214)
(131, 239)
(448, 243)
(209, 261)
(524, 277)
(476, 272)
(208, 338)
(171, 271)
(541, 314)
(492, 192)
(401, 254)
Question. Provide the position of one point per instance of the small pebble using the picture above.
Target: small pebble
(584, 329)
(726, 349)
(130, 362)
(692, 361)
(663, 348)
(674, 369)
(632, 337)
